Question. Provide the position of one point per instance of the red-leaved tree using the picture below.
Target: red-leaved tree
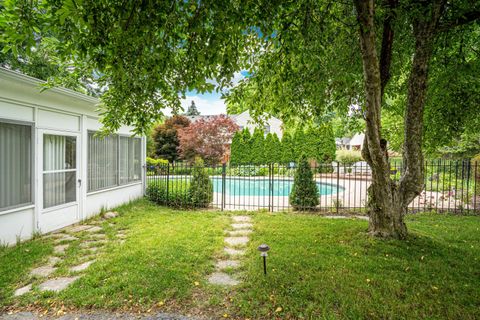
(209, 139)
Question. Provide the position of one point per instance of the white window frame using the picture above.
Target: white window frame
(32, 165)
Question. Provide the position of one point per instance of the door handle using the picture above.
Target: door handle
(79, 182)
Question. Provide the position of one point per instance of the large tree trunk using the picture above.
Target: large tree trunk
(388, 202)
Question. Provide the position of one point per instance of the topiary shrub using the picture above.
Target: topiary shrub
(201, 187)
(304, 194)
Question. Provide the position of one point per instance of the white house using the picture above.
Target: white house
(244, 120)
(54, 170)
(356, 143)
(271, 124)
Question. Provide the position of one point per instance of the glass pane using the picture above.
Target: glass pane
(102, 161)
(59, 188)
(59, 152)
(124, 159)
(15, 165)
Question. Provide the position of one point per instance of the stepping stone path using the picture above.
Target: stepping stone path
(82, 266)
(235, 246)
(57, 284)
(63, 237)
(43, 272)
(60, 249)
(23, 290)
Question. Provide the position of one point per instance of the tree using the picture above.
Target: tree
(192, 110)
(237, 148)
(246, 156)
(288, 148)
(302, 56)
(257, 146)
(269, 149)
(304, 194)
(207, 139)
(276, 149)
(165, 137)
(201, 187)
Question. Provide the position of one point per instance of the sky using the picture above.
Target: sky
(210, 103)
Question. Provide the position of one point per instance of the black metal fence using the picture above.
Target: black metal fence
(449, 186)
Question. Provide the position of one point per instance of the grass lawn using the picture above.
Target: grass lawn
(318, 268)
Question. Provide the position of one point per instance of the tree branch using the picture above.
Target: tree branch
(387, 43)
(465, 18)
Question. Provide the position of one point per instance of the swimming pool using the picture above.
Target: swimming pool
(260, 186)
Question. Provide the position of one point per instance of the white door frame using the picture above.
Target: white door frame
(62, 215)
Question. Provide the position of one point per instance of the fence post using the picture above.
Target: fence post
(224, 173)
(168, 181)
(270, 188)
(338, 187)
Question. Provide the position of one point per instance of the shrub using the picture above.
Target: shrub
(177, 195)
(304, 194)
(475, 165)
(348, 157)
(249, 171)
(201, 188)
(156, 162)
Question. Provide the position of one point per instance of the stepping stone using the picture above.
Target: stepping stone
(223, 264)
(94, 229)
(44, 271)
(82, 266)
(241, 218)
(234, 252)
(57, 284)
(60, 249)
(110, 215)
(222, 279)
(86, 244)
(244, 225)
(53, 261)
(92, 249)
(21, 291)
(66, 237)
(241, 232)
(98, 236)
(236, 241)
(79, 228)
(121, 236)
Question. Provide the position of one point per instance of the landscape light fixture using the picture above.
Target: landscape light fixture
(263, 248)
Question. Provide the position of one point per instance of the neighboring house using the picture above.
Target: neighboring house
(244, 120)
(54, 170)
(271, 124)
(342, 143)
(354, 143)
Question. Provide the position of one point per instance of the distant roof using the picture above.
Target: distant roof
(357, 140)
(196, 118)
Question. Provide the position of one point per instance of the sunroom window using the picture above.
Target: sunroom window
(15, 165)
(112, 161)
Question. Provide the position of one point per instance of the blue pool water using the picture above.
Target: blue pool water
(260, 187)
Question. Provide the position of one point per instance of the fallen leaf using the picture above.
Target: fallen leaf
(279, 309)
